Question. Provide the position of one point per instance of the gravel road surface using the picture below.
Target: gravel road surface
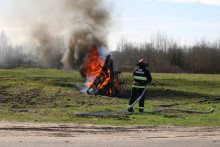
(19, 134)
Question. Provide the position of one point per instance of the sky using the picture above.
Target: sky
(184, 21)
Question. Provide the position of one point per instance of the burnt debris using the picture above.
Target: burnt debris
(109, 82)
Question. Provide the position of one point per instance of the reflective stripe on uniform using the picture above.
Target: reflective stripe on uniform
(141, 107)
(138, 86)
(140, 78)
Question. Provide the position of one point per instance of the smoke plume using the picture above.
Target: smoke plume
(63, 30)
(51, 49)
(90, 26)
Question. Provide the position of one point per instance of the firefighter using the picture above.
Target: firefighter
(141, 78)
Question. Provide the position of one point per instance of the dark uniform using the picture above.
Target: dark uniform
(141, 77)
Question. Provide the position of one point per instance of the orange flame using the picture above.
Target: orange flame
(93, 67)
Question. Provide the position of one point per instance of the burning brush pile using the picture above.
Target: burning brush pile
(87, 48)
(101, 76)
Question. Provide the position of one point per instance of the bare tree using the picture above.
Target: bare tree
(165, 55)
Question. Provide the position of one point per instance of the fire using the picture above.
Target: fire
(106, 79)
(100, 74)
(93, 66)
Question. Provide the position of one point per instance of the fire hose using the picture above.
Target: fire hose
(138, 99)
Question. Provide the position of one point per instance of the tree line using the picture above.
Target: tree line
(164, 55)
(167, 56)
(15, 56)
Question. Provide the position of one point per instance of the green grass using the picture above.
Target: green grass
(48, 95)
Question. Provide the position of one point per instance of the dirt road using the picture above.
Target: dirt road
(80, 135)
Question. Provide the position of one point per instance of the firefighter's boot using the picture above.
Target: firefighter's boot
(131, 110)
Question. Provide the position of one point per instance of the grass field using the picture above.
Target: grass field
(48, 95)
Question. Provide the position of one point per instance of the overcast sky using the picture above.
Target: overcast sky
(182, 20)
